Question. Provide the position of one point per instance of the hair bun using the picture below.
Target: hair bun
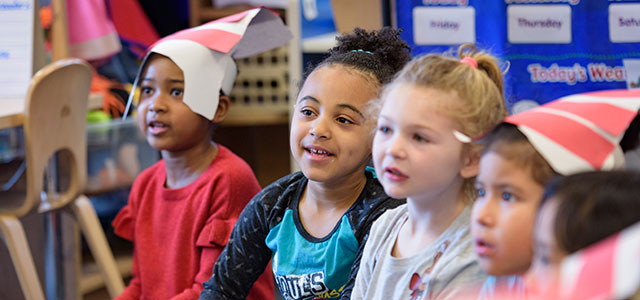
(385, 44)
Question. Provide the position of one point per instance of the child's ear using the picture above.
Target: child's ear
(223, 108)
(471, 160)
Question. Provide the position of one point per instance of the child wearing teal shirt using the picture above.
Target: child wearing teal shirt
(314, 223)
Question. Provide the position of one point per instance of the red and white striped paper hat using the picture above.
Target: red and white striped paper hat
(580, 132)
(609, 269)
(205, 53)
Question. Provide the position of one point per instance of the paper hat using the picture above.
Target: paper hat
(606, 270)
(205, 54)
(580, 132)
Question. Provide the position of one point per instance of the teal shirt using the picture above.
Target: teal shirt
(503, 287)
(305, 266)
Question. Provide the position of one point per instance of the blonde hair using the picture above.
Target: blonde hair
(480, 90)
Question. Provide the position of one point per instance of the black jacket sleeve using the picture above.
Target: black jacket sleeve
(246, 255)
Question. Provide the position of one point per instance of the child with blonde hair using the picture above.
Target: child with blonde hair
(422, 152)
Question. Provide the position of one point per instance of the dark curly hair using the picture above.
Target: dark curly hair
(379, 53)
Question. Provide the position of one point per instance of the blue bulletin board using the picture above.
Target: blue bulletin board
(554, 47)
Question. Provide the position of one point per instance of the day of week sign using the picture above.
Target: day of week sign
(444, 25)
(624, 23)
(540, 24)
(553, 47)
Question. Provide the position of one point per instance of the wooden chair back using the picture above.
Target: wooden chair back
(55, 120)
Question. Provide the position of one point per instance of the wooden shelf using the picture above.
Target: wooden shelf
(201, 12)
(256, 116)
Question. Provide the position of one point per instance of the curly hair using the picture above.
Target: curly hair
(377, 54)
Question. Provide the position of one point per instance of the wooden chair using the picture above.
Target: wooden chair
(55, 122)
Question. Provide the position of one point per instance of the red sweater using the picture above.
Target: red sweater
(179, 233)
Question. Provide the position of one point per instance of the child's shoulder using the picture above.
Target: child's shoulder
(277, 197)
(374, 193)
(383, 229)
(288, 183)
(458, 237)
(386, 223)
(373, 203)
(391, 217)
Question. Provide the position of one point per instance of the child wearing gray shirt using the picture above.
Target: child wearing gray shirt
(422, 151)
(443, 270)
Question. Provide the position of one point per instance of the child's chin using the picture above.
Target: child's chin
(315, 175)
(395, 194)
(488, 267)
(494, 271)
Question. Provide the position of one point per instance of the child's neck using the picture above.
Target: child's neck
(323, 204)
(427, 220)
(436, 215)
(329, 195)
(186, 166)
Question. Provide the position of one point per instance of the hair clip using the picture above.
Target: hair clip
(469, 61)
(463, 138)
(364, 51)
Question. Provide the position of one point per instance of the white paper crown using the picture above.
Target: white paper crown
(205, 53)
(580, 132)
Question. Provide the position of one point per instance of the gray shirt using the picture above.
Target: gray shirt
(443, 270)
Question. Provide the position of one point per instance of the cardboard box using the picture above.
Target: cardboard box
(349, 14)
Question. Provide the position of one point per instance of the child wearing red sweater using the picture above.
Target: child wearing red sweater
(181, 210)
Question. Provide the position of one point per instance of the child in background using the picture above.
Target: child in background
(182, 209)
(576, 212)
(421, 151)
(314, 223)
(570, 135)
(606, 270)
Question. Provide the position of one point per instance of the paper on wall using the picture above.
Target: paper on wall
(16, 47)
